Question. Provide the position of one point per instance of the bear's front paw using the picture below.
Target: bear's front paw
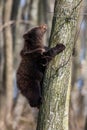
(60, 47)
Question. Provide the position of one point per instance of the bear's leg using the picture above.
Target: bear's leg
(54, 51)
(34, 95)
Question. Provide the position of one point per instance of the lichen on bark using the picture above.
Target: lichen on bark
(58, 74)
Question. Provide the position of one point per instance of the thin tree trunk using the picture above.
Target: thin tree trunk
(2, 87)
(44, 17)
(78, 112)
(1, 47)
(14, 14)
(54, 110)
(8, 62)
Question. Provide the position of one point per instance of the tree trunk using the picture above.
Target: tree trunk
(14, 14)
(53, 113)
(78, 111)
(1, 49)
(2, 88)
(8, 62)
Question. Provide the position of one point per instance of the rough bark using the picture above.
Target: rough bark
(53, 113)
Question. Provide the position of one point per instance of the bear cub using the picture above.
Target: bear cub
(34, 60)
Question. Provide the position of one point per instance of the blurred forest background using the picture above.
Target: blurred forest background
(16, 16)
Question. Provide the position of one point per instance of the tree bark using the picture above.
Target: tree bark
(2, 88)
(53, 113)
(1, 48)
(14, 14)
(8, 62)
(78, 111)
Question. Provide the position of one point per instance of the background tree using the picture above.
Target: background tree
(8, 61)
(78, 108)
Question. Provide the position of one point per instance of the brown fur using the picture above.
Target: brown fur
(35, 58)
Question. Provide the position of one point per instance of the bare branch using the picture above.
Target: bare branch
(9, 23)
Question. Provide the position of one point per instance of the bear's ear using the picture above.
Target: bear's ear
(25, 36)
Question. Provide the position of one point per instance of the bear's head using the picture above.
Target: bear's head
(35, 34)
